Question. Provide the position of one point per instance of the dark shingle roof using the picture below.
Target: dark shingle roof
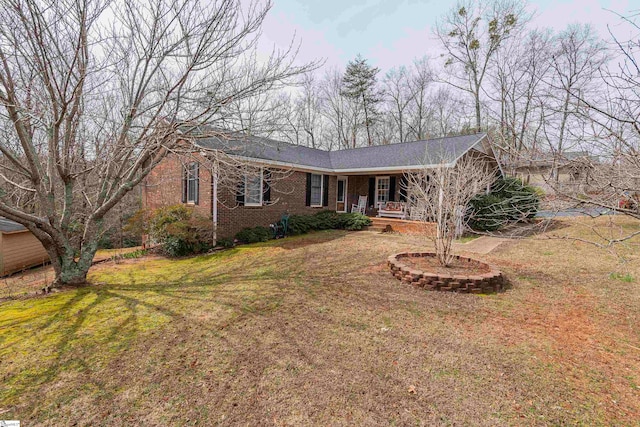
(256, 147)
(8, 226)
(425, 152)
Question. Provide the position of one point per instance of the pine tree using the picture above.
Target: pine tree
(359, 84)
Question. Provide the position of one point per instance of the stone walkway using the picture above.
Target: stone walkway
(482, 245)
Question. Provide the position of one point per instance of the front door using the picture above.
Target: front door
(341, 195)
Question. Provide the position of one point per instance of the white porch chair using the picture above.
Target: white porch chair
(361, 206)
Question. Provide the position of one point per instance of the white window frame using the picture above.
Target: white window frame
(344, 179)
(378, 179)
(321, 190)
(193, 175)
(246, 190)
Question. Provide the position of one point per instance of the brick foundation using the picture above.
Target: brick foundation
(493, 281)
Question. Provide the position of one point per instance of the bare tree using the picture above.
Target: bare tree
(343, 115)
(93, 95)
(441, 195)
(309, 110)
(471, 34)
(447, 113)
(519, 72)
(420, 80)
(398, 96)
(575, 63)
(612, 182)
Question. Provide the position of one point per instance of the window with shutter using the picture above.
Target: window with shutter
(382, 189)
(253, 189)
(316, 190)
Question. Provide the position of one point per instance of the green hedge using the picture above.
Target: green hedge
(254, 235)
(301, 224)
(508, 201)
(327, 220)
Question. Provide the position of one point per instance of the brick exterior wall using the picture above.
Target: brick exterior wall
(288, 194)
(163, 187)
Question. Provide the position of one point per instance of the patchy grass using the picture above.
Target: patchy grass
(314, 330)
(623, 277)
(467, 238)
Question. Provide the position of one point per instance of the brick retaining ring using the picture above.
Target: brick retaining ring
(493, 281)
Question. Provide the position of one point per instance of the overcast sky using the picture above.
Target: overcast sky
(393, 32)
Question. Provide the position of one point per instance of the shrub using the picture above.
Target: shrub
(254, 234)
(486, 213)
(353, 221)
(300, 224)
(138, 253)
(225, 242)
(521, 200)
(509, 200)
(327, 220)
(179, 231)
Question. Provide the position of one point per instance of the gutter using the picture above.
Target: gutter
(340, 171)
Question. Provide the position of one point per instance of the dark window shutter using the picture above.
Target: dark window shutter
(185, 182)
(403, 189)
(392, 189)
(372, 191)
(308, 190)
(325, 190)
(240, 191)
(197, 173)
(266, 186)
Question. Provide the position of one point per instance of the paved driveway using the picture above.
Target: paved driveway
(587, 211)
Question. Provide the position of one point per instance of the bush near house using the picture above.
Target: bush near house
(508, 201)
(327, 220)
(301, 224)
(178, 230)
(254, 235)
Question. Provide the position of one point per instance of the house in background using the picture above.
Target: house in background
(315, 179)
(19, 248)
(538, 169)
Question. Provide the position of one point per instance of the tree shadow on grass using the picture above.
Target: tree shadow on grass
(95, 324)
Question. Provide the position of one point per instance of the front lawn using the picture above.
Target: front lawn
(314, 330)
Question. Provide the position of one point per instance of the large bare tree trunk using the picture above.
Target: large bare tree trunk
(94, 95)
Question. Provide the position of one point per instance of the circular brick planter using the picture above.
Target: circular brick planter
(493, 281)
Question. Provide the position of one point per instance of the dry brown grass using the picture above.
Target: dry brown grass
(314, 330)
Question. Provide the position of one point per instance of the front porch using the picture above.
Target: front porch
(382, 188)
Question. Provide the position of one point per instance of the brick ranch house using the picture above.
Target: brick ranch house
(314, 179)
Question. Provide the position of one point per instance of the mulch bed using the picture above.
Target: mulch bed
(457, 267)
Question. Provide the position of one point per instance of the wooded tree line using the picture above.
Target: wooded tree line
(529, 86)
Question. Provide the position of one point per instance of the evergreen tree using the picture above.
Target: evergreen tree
(359, 84)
